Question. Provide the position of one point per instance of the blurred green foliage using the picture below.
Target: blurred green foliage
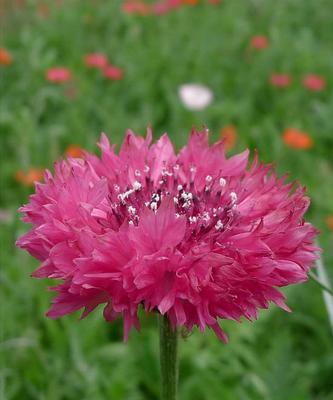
(280, 357)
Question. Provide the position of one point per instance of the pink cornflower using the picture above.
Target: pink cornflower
(138, 7)
(174, 3)
(114, 73)
(96, 60)
(194, 235)
(259, 42)
(58, 75)
(165, 6)
(280, 80)
(313, 82)
(161, 8)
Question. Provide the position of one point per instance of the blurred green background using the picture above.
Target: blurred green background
(280, 357)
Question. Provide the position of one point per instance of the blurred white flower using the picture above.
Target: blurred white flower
(195, 96)
(5, 216)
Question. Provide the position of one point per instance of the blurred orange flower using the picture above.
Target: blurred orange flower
(74, 151)
(43, 10)
(229, 135)
(314, 82)
(29, 178)
(329, 222)
(5, 57)
(280, 80)
(58, 75)
(19, 3)
(259, 42)
(114, 73)
(297, 139)
(96, 60)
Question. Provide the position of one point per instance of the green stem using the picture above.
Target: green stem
(168, 359)
(318, 282)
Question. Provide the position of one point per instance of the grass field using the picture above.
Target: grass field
(281, 356)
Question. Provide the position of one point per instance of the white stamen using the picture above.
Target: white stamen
(132, 210)
(153, 206)
(219, 225)
(165, 172)
(137, 172)
(205, 216)
(155, 197)
(192, 220)
(137, 185)
(116, 188)
(179, 188)
(130, 223)
(124, 195)
(223, 182)
(208, 179)
(233, 197)
(146, 169)
(186, 196)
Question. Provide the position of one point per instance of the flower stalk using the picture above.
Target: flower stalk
(168, 359)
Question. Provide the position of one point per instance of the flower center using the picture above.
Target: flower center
(210, 206)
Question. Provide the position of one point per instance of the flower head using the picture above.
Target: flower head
(259, 42)
(5, 216)
(113, 73)
(165, 6)
(329, 221)
(193, 235)
(297, 139)
(5, 57)
(280, 80)
(74, 151)
(136, 7)
(30, 177)
(43, 10)
(313, 82)
(229, 136)
(194, 96)
(58, 75)
(96, 60)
